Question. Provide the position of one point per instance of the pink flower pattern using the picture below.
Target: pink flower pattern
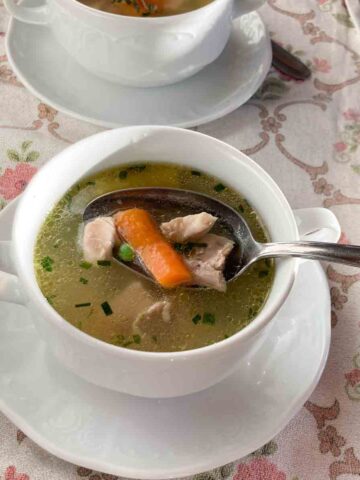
(353, 377)
(259, 469)
(321, 65)
(14, 181)
(10, 474)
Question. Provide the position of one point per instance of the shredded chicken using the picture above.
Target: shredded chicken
(99, 239)
(189, 228)
(207, 262)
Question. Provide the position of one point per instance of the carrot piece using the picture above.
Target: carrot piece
(138, 228)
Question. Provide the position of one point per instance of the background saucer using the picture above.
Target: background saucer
(160, 439)
(48, 72)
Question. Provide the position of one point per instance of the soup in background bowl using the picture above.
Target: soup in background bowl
(145, 8)
(111, 303)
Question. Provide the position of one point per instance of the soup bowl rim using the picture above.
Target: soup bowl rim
(50, 314)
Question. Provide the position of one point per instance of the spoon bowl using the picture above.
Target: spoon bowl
(246, 250)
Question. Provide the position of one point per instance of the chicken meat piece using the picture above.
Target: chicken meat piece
(99, 238)
(207, 262)
(189, 228)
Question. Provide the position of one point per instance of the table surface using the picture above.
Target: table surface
(307, 136)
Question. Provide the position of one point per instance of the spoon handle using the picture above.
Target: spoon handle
(327, 252)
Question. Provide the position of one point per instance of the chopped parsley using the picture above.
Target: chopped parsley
(187, 248)
(137, 339)
(83, 280)
(196, 319)
(80, 305)
(106, 309)
(123, 174)
(50, 298)
(47, 264)
(85, 265)
(219, 187)
(104, 263)
(209, 318)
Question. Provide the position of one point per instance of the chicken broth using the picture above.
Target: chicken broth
(145, 8)
(109, 302)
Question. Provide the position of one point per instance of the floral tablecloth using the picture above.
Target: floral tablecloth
(307, 136)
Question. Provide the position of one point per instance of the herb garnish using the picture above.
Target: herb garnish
(106, 308)
(83, 280)
(47, 264)
(50, 299)
(104, 263)
(137, 168)
(137, 339)
(219, 187)
(80, 305)
(263, 273)
(85, 265)
(123, 174)
(209, 318)
(187, 248)
(196, 173)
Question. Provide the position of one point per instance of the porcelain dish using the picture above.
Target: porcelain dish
(146, 373)
(52, 75)
(159, 439)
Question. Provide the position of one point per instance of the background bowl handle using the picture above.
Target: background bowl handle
(241, 7)
(10, 289)
(317, 224)
(37, 15)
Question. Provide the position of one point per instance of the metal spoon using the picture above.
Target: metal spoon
(246, 250)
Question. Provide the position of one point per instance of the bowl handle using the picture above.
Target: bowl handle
(241, 7)
(10, 289)
(317, 224)
(35, 15)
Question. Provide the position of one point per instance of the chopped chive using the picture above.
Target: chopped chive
(196, 319)
(126, 253)
(47, 264)
(137, 168)
(80, 305)
(187, 248)
(83, 280)
(106, 309)
(219, 187)
(137, 339)
(209, 318)
(263, 273)
(196, 173)
(123, 174)
(154, 338)
(49, 299)
(85, 265)
(104, 263)
(119, 340)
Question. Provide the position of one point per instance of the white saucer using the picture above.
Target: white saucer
(159, 439)
(50, 74)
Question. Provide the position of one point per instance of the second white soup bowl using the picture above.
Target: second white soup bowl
(137, 51)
